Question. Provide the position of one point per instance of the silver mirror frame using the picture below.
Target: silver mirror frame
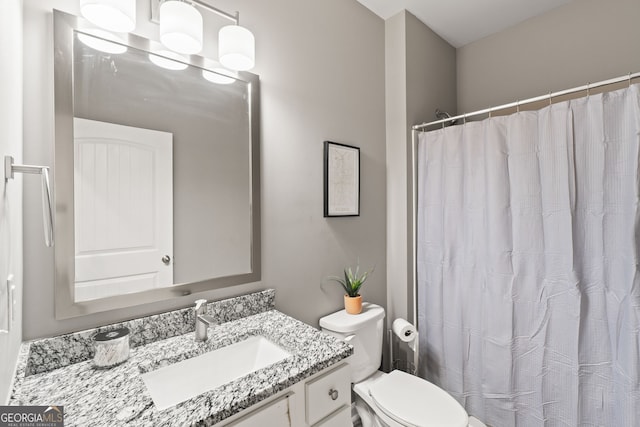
(64, 253)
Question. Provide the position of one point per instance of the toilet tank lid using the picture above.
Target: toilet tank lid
(342, 322)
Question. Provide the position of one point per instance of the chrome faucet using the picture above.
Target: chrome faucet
(203, 321)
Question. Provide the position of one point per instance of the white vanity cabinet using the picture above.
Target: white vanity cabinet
(322, 400)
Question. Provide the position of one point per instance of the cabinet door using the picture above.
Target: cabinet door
(275, 414)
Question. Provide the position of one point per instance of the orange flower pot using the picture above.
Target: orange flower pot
(353, 305)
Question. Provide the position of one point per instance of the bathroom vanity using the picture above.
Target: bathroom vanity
(308, 386)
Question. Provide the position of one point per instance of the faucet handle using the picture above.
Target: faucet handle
(200, 306)
(207, 320)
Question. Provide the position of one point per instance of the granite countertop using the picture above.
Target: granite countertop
(118, 396)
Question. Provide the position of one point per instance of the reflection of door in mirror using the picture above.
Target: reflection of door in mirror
(123, 209)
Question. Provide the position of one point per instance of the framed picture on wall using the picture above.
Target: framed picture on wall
(341, 180)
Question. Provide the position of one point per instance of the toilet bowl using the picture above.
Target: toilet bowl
(396, 399)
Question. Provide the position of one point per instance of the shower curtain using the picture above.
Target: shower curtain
(528, 244)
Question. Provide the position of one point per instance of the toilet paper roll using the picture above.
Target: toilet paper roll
(404, 330)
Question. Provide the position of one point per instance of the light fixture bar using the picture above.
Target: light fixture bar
(235, 18)
(155, 11)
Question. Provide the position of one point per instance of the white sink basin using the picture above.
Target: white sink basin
(189, 378)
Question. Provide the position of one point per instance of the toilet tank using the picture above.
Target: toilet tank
(364, 332)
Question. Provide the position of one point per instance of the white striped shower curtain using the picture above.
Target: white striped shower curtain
(528, 245)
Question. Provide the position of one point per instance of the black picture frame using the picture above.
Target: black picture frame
(341, 180)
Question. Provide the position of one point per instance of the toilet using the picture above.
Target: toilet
(396, 399)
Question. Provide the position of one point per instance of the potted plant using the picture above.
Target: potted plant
(352, 283)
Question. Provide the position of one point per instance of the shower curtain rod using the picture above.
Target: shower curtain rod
(517, 104)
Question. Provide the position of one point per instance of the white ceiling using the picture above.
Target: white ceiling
(463, 21)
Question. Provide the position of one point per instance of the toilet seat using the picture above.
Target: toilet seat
(414, 402)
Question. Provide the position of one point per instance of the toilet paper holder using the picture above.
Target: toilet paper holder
(407, 366)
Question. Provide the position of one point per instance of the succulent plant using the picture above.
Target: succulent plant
(352, 281)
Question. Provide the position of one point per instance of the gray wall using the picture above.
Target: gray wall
(11, 191)
(318, 83)
(420, 77)
(397, 151)
(431, 84)
(584, 41)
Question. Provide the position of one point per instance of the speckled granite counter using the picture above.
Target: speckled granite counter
(118, 396)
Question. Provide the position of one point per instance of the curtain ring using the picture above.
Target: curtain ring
(464, 119)
(517, 106)
(629, 79)
(550, 98)
(490, 111)
(588, 89)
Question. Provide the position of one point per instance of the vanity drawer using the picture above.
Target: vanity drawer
(341, 418)
(327, 393)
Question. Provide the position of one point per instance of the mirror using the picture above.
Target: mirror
(157, 173)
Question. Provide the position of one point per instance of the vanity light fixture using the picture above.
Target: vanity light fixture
(236, 48)
(112, 15)
(180, 27)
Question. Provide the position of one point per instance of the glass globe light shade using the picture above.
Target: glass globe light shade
(180, 27)
(236, 48)
(112, 15)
